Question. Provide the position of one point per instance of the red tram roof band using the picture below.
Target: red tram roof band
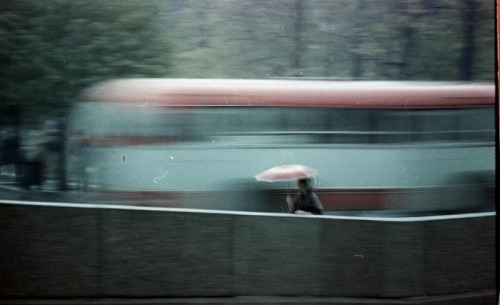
(291, 93)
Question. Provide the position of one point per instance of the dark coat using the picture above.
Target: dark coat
(308, 202)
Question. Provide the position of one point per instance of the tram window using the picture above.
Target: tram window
(446, 125)
(258, 125)
(97, 120)
(339, 125)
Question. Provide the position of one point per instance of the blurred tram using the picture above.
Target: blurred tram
(425, 147)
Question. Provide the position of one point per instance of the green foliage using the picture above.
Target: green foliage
(55, 48)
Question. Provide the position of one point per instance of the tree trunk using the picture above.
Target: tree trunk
(468, 50)
(298, 34)
(407, 34)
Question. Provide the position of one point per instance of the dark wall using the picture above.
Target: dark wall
(55, 252)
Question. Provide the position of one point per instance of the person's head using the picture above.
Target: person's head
(305, 185)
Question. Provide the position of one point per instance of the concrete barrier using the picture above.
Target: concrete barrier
(58, 251)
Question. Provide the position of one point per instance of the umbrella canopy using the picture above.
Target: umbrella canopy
(286, 173)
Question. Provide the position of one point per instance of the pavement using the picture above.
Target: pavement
(48, 192)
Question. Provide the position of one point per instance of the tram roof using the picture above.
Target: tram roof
(291, 93)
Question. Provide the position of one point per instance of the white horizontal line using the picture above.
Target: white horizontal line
(203, 211)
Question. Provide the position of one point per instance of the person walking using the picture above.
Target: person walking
(306, 202)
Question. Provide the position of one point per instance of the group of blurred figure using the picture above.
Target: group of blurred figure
(28, 169)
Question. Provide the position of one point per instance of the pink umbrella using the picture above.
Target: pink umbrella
(286, 173)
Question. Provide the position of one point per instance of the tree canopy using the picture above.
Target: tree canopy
(53, 49)
(358, 39)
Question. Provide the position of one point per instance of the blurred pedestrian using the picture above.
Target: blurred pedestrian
(306, 202)
(11, 152)
(34, 167)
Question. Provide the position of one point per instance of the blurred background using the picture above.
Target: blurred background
(52, 49)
